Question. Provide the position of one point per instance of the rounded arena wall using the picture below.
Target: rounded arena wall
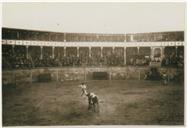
(81, 74)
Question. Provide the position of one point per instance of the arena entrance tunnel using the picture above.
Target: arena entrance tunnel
(100, 76)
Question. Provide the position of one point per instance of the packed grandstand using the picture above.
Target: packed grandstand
(23, 49)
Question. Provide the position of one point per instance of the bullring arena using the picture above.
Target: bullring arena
(42, 71)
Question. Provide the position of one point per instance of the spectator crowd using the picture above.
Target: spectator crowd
(16, 58)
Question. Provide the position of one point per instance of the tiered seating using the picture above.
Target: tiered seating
(84, 55)
(145, 55)
(96, 59)
(34, 54)
(58, 56)
(91, 37)
(118, 56)
(71, 58)
(20, 59)
(107, 54)
(17, 57)
(47, 60)
(7, 55)
(154, 37)
(131, 54)
(173, 58)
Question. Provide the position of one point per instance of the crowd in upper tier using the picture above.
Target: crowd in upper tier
(20, 34)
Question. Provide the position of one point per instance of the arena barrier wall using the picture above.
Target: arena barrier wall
(80, 74)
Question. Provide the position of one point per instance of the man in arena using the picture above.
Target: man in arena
(83, 88)
(165, 78)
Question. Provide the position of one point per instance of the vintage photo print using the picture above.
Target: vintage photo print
(92, 64)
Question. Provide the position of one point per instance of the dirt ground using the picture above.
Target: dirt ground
(121, 103)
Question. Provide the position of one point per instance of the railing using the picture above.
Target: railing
(91, 44)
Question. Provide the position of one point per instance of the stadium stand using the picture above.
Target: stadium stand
(54, 54)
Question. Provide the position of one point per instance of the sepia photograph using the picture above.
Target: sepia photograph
(93, 63)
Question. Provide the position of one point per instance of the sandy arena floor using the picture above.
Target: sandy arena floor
(122, 103)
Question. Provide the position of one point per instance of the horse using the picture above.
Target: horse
(93, 101)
